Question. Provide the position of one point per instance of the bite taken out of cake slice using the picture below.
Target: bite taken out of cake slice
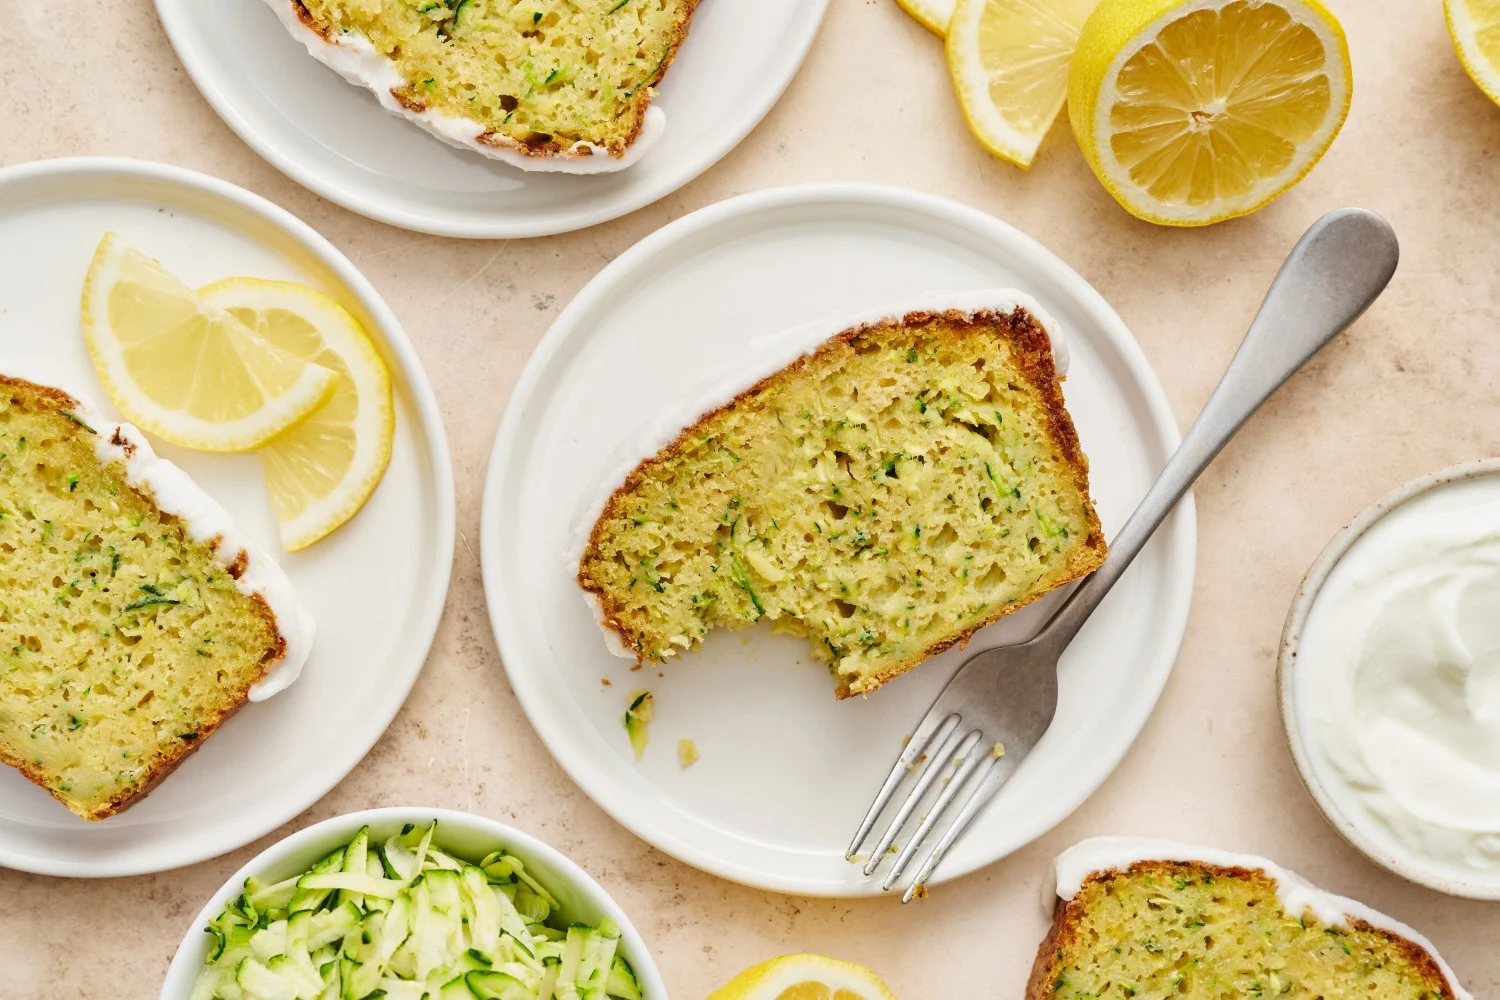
(1148, 918)
(134, 617)
(909, 481)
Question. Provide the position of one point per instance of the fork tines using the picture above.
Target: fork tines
(965, 753)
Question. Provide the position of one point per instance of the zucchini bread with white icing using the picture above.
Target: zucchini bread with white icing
(133, 617)
(542, 84)
(1141, 918)
(908, 482)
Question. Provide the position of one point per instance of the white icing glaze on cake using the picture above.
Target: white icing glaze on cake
(765, 356)
(351, 56)
(1297, 896)
(175, 493)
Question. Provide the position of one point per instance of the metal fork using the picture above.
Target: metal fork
(1001, 702)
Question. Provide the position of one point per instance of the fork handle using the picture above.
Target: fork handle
(1331, 276)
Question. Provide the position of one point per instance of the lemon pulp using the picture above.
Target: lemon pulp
(322, 471)
(1009, 60)
(804, 977)
(1474, 27)
(311, 460)
(185, 369)
(1202, 116)
(1194, 111)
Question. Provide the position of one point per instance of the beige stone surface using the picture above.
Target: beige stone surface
(1413, 387)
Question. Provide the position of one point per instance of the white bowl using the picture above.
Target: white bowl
(1354, 827)
(463, 834)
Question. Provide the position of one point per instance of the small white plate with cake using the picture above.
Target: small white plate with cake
(166, 600)
(492, 120)
(1155, 918)
(750, 766)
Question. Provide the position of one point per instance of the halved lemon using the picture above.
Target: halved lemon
(1009, 60)
(804, 977)
(183, 368)
(1474, 26)
(321, 472)
(1196, 111)
(933, 15)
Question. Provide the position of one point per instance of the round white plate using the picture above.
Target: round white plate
(787, 771)
(375, 587)
(334, 139)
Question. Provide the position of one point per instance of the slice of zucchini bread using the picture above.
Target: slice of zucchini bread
(1142, 918)
(909, 482)
(542, 84)
(133, 617)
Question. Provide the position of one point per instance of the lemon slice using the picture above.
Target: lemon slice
(804, 977)
(1009, 60)
(323, 470)
(1474, 26)
(1196, 111)
(183, 368)
(933, 15)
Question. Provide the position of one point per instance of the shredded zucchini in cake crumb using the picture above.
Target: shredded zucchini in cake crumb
(542, 73)
(123, 640)
(1201, 932)
(884, 497)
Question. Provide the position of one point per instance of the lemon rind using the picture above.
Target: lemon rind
(769, 979)
(922, 12)
(1135, 201)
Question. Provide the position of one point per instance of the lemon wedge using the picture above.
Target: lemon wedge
(1009, 60)
(1196, 111)
(1474, 26)
(804, 977)
(933, 15)
(183, 368)
(321, 472)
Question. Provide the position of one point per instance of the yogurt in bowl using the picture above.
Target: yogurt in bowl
(1390, 681)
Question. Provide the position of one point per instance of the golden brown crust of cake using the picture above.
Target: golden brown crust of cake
(633, 118)
(1068, 914)
(1035, 362)
(233, 700)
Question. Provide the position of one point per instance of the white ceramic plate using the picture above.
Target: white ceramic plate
(336, 140)
(787, 771)
(465, 834)
(277, 757)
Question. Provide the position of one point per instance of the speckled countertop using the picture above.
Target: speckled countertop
(1413, 387)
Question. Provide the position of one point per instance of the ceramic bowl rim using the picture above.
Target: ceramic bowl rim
(1352, 830)
(314, 840)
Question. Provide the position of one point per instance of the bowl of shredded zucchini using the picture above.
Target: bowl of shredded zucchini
(412, 904)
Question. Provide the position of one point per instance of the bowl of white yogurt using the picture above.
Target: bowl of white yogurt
(1389, 678)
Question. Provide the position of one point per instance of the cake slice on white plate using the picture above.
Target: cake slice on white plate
(1147, 918)
(911, 479)
(134, 616)
(551, 85)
